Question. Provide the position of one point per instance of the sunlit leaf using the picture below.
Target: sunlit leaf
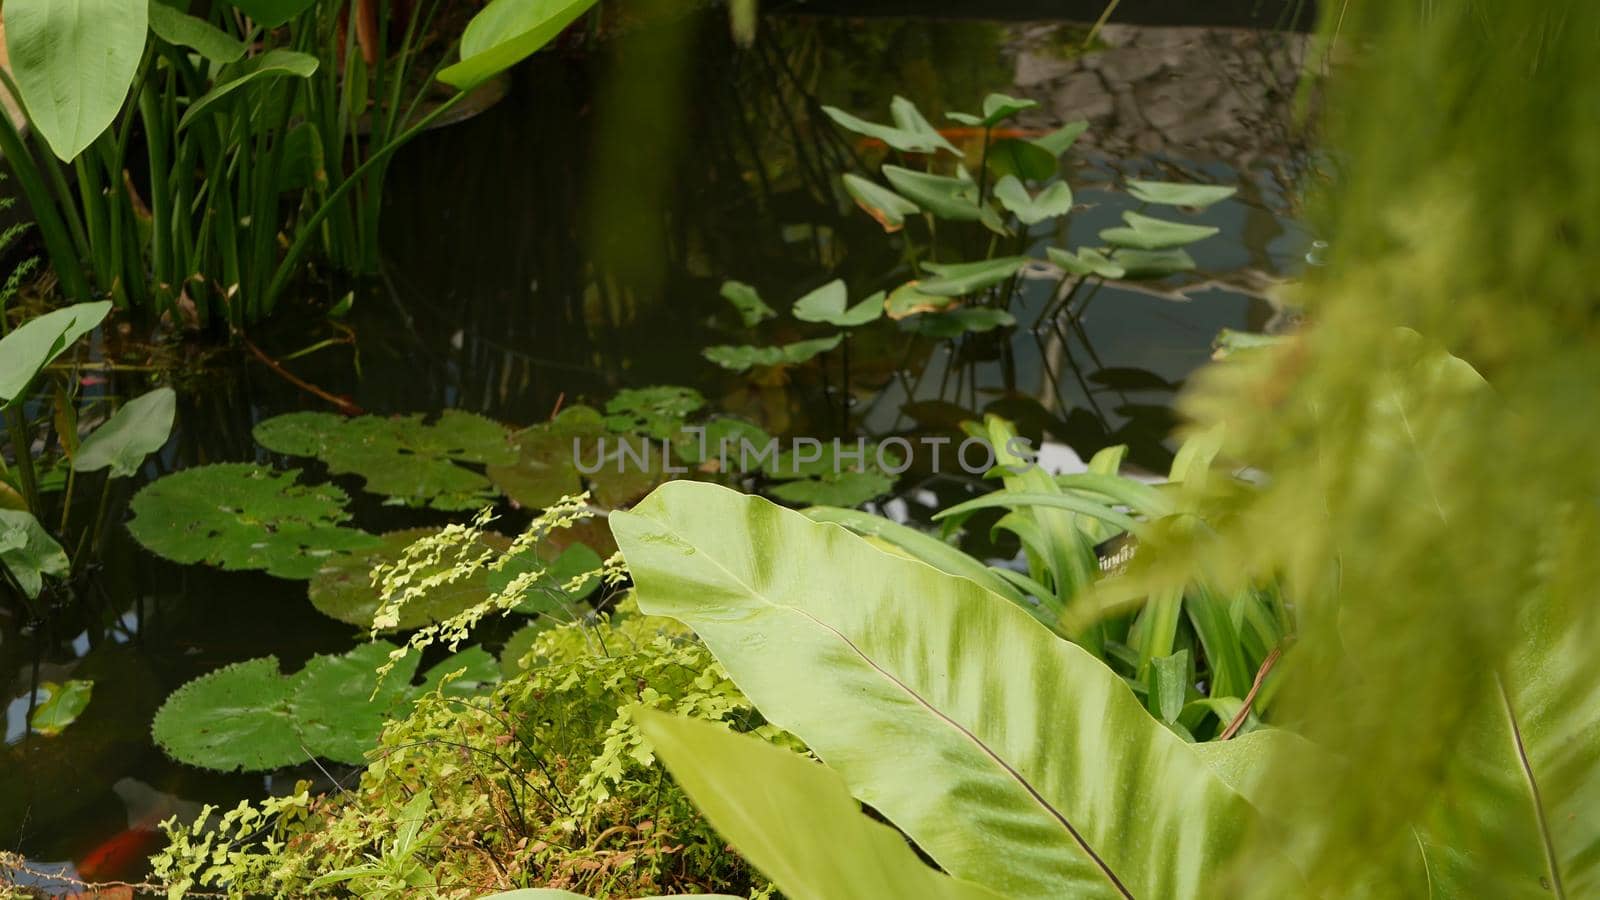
(62, 705)
(1171, 193)
(138, 429)
(233, 719)
(1139, 264)
(73, 62)
(1146, 233)
(333, 707)
(240, 516)
(505, 33)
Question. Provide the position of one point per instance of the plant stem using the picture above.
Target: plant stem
(17, 428)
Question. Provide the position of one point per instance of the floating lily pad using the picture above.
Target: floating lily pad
(411, 461)
(1148, 233)
(835, 477)
(61, 707)
(1170, 193)
(333, 706)
(233, 719)
(716, 445)
(28, 551)
(545, 469)
(964, 320)
(342, 589)
(633, 466)
(742, 358)
(1144, 264)
(654, 411)
(845, 489)
(555, 567)
(240, 516)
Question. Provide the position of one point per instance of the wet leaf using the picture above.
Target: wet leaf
(412, 462)
(887, 207)
(1146, 233)
(138, 429)
(1053, 201)
(657, 411)
(241, 516)
(752, 309)
(342, 589)
(958, 279)
(61, 707)
(945, 196)
(36, 343)
(29, 552)
(827, 304)
(1086, 261)
(1170, 193)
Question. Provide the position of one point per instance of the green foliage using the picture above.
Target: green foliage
(545, 469)
(894, 674)
(828, 304)
(1148, 233)
(549, 775)
(657, 412)
(61, 706)
(413, 462)
(752, 309)
(25, 352)
(746, 357)
(136, 430)
(240, 516)
(74, 63)
(342, 587)
(505, 33)
(29, 552)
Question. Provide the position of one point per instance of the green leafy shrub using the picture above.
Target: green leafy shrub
(545, 781)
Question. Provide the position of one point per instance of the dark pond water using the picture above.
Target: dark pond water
(570, 242)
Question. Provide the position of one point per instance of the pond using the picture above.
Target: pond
(531, 265)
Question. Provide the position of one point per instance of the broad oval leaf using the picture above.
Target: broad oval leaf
(883, 205)
(276, 63)
(240, 516)
(61, 707)
(235, 718)
(34, 344)
(802, 828)
(73, 61)
(183, 30)
(1147, 233)
(1056, 782)
(1172, 193)
(138, 429)
(742, 358)
(505, 33)
(28, 551)
(827, 304)
(339, 705)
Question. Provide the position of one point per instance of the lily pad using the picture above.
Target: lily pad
(744, 357)
(716, 445)
(545, 469)
(1171, 193)
(845, 489)
(342, 589)
(333, 706)
(654, 411)
(233, 719)
(1146, 264)
(555, 567)
(835, 477)
(1148, 233)
(241, 516)
(964, 320)
(62, 705)
(411, 461)
(28, 551)
(827, 304)
(752, 309)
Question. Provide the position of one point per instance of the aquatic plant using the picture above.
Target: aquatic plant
(241, 516)
(342, 587)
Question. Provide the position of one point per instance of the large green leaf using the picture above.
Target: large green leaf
(658, 411)
(965, 320)
(1171, 193)
(272, 13)
(793, 818)
(1014, 759)
(545, 469)
(745, 356)
(138, 429)
(339, 706)
(235, 718)
(73, 61)
(412, 461)
(28, 551)
(36, 343)
(505, 33)
(240, 516)
(183, 30)
(945, 196)
(61, 707)
(276, 63)
(919, 544)
(827, 304)
(1148, 233)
